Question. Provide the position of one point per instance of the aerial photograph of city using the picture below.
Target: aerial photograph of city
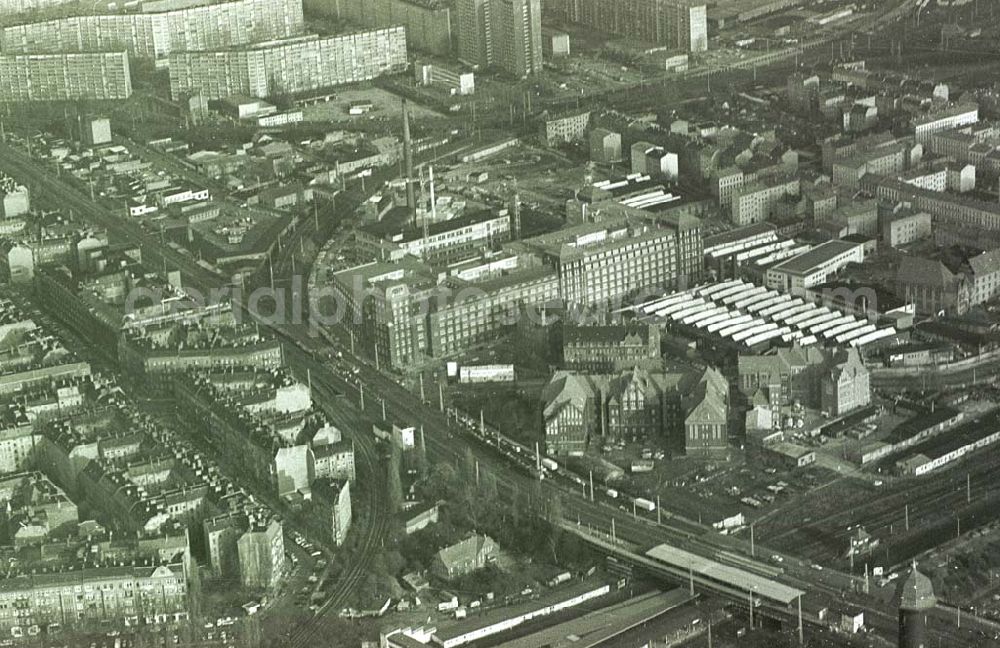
(499, 323)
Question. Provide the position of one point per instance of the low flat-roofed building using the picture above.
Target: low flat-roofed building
(942, 450)
(790, 455)
(733, 577)
(419, 517)
(814, 267)
(474, 628)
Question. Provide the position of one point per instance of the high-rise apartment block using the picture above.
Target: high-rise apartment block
(100, 76)
(506, 34)
(14, 7)
(428, 23)
(156, 34)
(288, 66)
(676, 23)
(474, 41)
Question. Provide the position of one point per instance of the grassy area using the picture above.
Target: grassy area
(515, 410)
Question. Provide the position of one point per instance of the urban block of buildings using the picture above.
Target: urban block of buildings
(682, 410)
(95, 76)
(157, 32)
(290, 66)
(680, 24)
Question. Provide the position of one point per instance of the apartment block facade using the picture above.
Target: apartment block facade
(95, 594)
(506, 34)
(155, 35)
(428, 23)
(682, 24)
(754, 203)
(289, 66)
(98, 76)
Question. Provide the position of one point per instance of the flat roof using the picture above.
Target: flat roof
(397, 229)
(820, 254)
(492, 617)
(922, 421)
(964, 435)
(601, 625)
(732, 576)
(945, 113)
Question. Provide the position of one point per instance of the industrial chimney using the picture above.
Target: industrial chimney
(411, 198)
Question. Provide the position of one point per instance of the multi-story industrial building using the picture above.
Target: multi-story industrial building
(619, 257)
(288, 66)
(441, 241)
(506, 34)
(427, 22)
(404, 315)
(155, 34)
(98, 76)
(681, 24)
(15, 199)
(406, 312)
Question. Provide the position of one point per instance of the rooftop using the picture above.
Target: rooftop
(731, 576)
(822, 253)
(499, 615)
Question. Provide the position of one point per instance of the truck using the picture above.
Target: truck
(559, 579)
(549, 464)
(642, 466)
(644, 504)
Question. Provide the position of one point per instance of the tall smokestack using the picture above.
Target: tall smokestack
(433, 214)
(411, 198)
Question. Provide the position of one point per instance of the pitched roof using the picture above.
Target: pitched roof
(985, 263)
(708, 401)
(466, 550)
(924, 272)
(567, 388)
(916, 592)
